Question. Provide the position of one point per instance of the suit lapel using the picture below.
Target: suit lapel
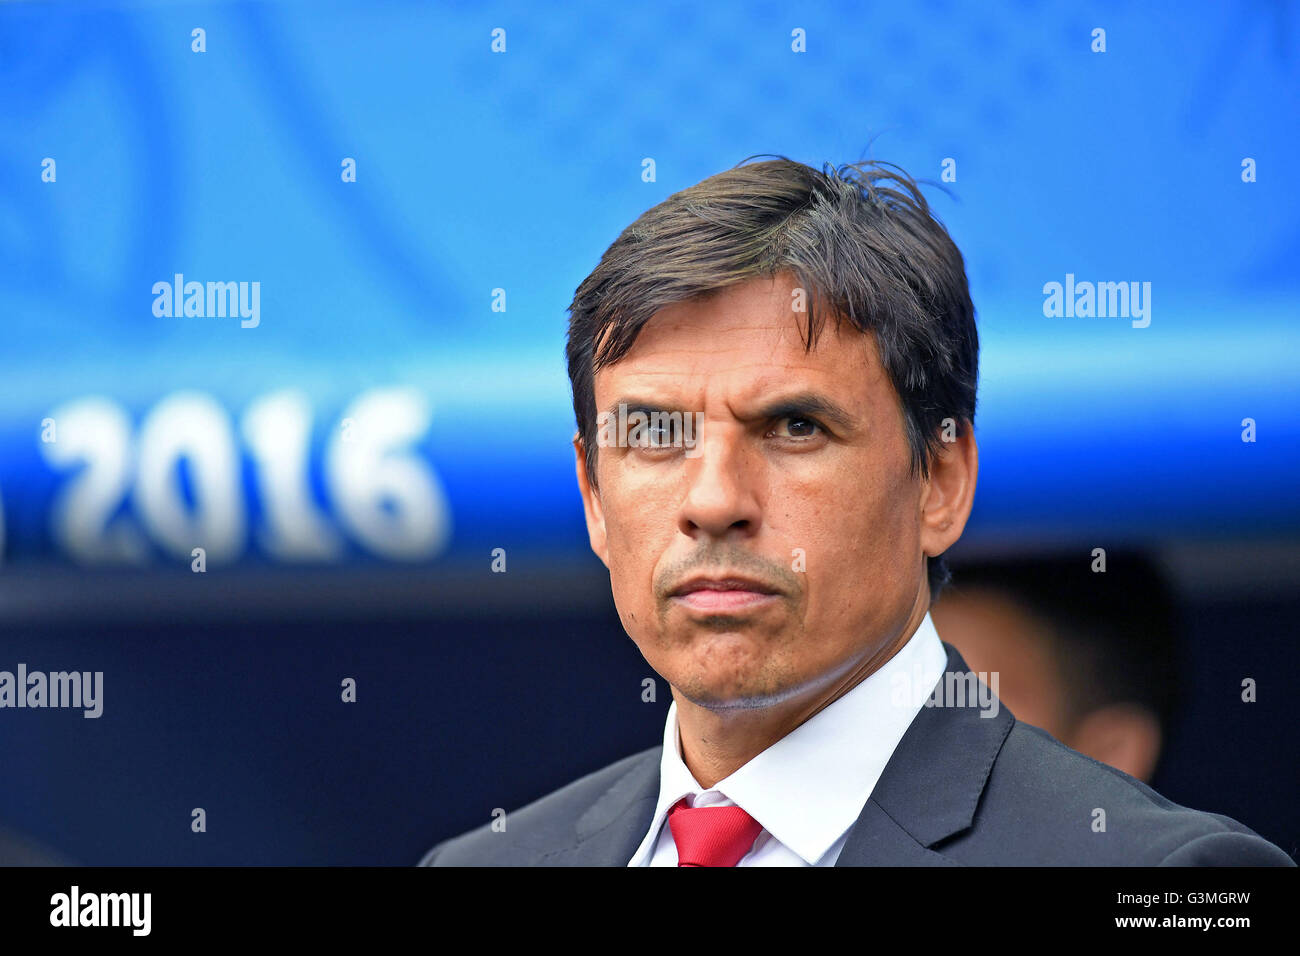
(931, 786)
(611, 829)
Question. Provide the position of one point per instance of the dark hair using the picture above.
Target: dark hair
(1114, 634)
(862, 242)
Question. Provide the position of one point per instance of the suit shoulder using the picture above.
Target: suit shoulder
(538, 827)
(1046, 804)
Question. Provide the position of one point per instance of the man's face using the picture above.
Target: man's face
(785, 550)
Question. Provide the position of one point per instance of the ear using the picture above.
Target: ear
(1126, 736)
(949, 493)
(590, 503)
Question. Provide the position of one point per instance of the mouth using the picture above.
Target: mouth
(728, 593)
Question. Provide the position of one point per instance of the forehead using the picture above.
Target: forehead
(745, 338)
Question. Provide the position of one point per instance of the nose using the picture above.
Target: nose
(722, 499)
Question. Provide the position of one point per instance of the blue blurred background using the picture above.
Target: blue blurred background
(422, 307)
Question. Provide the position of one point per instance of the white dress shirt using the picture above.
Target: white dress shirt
(809, 787)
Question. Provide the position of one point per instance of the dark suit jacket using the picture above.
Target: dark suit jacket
(960, 789)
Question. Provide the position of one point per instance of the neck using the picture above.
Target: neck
(717, 743)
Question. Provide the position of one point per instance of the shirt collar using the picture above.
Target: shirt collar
(809, 787)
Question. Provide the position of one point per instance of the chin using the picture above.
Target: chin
(725, 699)
(748, 689)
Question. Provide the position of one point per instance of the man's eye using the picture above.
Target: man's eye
(797, 427)
(660, 436)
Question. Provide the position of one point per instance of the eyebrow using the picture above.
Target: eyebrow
(809, 404)
(812, 405)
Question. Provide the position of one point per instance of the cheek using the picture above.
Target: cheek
(862, 532)
(633, 520)
(634, 538)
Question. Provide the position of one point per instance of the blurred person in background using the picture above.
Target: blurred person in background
(1088, 656)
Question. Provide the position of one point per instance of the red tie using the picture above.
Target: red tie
(711, 836)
